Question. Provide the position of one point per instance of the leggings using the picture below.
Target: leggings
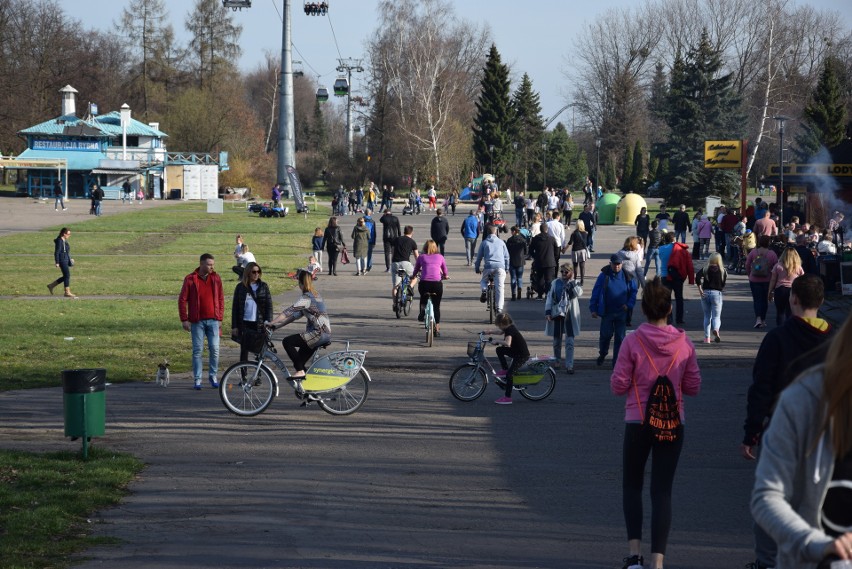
(517, 362)
(298, 350)
(332, 261)
(782, 304)
(638, 445)
(436, 287)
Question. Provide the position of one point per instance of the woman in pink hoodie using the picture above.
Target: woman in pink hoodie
(654, 348)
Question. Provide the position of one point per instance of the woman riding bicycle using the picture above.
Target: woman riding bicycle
(434, 269)
(300, 347)
(252, 306)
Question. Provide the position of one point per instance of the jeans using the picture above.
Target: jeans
(676, 286)
(370, 247)
(499, 285)
(653, 253)
(638, 445)
(519, 216)
(680, 235)
(516, 276)
(558, 336)
(612, 324)
(591, 238)
(470, 248)
(759, 295)
(98, 207)
(782, 304)
(705, 247)
(711, 303)
(59, 202)
(210, 329)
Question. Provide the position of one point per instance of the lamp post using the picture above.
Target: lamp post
(514, 163)
(544, 165)
(125, 118)
(491, 157)
(598, 161)
(780, 199)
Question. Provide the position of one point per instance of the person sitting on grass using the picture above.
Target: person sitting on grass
(512, 345)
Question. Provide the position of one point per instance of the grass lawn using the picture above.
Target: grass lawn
(143, 254)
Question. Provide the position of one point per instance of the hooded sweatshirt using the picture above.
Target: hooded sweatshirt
(665, 345)
(795, 468)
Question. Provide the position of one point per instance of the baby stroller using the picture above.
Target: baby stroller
(498, 222)
(533, 287)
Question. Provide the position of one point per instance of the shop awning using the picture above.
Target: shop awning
(77, 160)
(117, 172)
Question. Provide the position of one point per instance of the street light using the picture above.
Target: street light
(544, 164)
(780, 198)
(514, 163)
(598, 160)
(491, 156)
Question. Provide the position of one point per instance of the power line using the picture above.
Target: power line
(304, 59)
(340, 55)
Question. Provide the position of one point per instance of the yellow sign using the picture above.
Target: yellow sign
(723, 154)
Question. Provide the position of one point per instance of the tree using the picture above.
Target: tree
(702, 106)
(493, 122)
(637, 172)
(528, 128)
(565, 165)
(627, 170)
(142, 22)
(824, 122)
(215, 41)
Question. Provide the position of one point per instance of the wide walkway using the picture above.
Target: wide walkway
(415, 478)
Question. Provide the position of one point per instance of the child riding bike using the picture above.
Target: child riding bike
(514, 346)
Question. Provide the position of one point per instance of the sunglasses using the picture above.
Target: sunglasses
(256, 272)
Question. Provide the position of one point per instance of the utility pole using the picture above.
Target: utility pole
(348, 66)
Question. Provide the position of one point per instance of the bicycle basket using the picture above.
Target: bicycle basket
(474, 349)
(253, 341)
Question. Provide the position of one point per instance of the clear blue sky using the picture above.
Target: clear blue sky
(533, 37)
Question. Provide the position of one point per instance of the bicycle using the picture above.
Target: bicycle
(491, 301)
(404, 295)
(536, 380)
(337, 382)
(429, 319)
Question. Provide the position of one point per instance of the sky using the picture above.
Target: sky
(534, 37)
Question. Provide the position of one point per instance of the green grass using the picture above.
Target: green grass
(45, 501)
(141, 253)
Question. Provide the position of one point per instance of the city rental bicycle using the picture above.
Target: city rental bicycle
(535, 380)
(490, 299)
(404, 295)
(337, 382)
(429, 319)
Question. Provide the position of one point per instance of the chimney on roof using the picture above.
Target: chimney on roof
(69, 100)
(154, 125)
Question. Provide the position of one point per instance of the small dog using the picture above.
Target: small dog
(163, 374)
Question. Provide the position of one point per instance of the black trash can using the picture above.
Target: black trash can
(84, 402)
(175, 194)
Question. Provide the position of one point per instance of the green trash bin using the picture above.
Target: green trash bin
(84, 401)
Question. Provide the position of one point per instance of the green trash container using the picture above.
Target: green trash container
(84, 401)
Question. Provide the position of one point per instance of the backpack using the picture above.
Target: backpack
(662, 411)
(760, 266)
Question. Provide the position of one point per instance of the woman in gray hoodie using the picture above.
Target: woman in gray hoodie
(803, 489)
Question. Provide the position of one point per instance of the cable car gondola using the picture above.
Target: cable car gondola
(341, 87)
(316, 8)
(322, 94)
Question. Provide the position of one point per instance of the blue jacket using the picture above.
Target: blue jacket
(665, 254)
(371, 227)
(494, 251)
(470, 227)
(612, 291)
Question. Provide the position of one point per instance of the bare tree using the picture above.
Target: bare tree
(143, 22)
(215, 40)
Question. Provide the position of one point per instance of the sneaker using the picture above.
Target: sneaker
(197, 385)
(706, 340)
(503, 401)
(569, 371)
(482, 297)
(757, 323)
(213, 382)
(500, 373)
(600, 360)
(634, 562)
(421, 317)
(716, 337)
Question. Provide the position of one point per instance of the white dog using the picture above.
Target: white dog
(163, 373)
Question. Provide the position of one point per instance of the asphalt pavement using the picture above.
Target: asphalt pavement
(414, 479)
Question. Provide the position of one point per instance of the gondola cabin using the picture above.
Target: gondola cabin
(341, 87)
(322, 94)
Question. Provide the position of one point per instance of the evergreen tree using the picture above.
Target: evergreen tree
(702, 105)
(214, 42)
(626, 169)
(824, 121)
(609, 176)
(319, 134)
(563, 159)
(637, 172)
(528, 129)
(653, 166)
(493, 122)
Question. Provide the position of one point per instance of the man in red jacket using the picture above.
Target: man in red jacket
(680, 269)
(201, 305)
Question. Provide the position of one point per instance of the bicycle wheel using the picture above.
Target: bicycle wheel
(430, 331)
(399, 304)
(468, 382)
(540, 390)
(407, 304)
(247, 390)
(491, 307)
(347, 399)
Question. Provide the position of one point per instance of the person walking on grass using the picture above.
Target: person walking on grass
(710, 281)
(562, 313)
(201, 306)
(654, 349)
(613, 295)
(62, 259)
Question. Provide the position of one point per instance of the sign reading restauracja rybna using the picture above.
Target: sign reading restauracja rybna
(723, 154)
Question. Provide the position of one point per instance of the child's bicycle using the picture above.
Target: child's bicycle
(337, 382)
(404, 294)
(535, 380)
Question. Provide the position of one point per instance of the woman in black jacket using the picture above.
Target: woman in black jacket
(332, 241)
(252, 306)
(62, 259)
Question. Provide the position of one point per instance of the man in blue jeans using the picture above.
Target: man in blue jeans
(655, 239)
(470, 230)
(201, 305)
(613, 295)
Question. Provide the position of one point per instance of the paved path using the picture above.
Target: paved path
(414, 479)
